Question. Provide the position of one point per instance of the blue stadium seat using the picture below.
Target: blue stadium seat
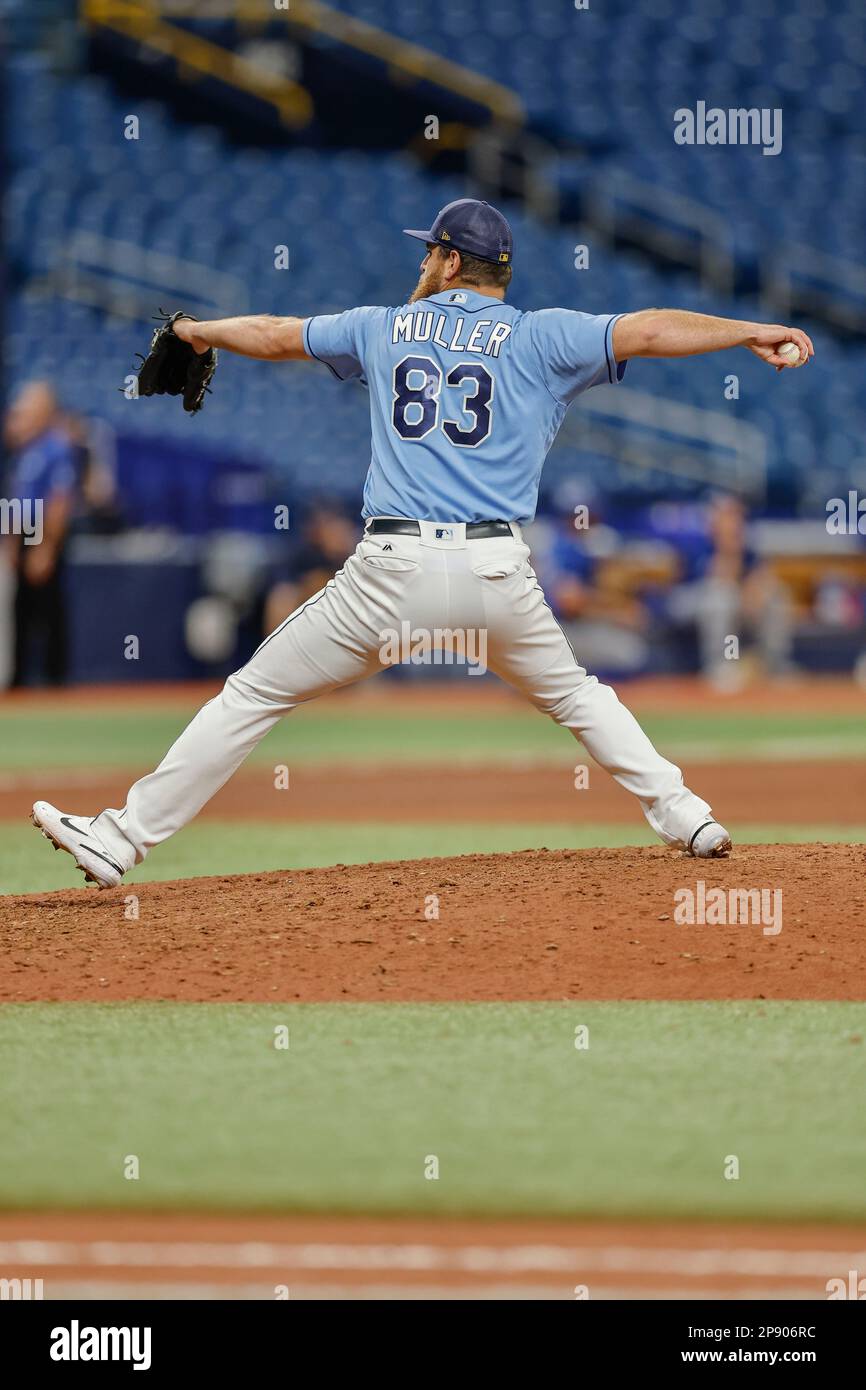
(340, 214)
(611, 77)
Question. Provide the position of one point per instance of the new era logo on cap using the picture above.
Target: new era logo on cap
(472, 226)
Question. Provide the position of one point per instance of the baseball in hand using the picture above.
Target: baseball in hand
(791, 352)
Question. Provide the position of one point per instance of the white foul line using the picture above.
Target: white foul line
(470, 1259)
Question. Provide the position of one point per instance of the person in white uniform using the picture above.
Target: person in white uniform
(467, 394)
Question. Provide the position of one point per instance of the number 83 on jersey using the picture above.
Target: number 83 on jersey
(417, 391)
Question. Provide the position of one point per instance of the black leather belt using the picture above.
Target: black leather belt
(401, 526)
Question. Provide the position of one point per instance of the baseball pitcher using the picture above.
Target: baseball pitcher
(467, 394)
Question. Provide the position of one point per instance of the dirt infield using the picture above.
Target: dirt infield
(107, 1254)
(590, 924)
(789, 793)
(798, 694)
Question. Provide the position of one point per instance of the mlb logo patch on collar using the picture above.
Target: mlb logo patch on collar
(458, 297)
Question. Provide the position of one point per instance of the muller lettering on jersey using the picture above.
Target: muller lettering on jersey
(484, 336)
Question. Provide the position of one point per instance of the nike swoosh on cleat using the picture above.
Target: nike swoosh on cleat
(105, 859)
(64, 820)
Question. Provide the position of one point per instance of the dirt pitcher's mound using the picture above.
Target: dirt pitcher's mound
(779, 921)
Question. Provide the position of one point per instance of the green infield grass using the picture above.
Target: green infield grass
(29, 865)
(43, 738)
(647, 1120)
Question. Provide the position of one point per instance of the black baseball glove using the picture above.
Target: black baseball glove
(172, 368)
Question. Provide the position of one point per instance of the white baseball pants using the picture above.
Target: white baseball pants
(485, 595)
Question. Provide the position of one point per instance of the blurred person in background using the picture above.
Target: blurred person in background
(328, 535)
(606, 623)
(43, 474)
(839, 601)
(93, 442)
(731, 592)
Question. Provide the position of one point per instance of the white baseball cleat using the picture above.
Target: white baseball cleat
(77, 836)
(710, 841)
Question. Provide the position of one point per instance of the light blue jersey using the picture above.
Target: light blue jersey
(467, 395)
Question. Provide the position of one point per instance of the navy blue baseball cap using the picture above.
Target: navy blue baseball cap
(471, 226)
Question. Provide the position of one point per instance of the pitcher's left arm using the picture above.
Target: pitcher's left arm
(264, 336)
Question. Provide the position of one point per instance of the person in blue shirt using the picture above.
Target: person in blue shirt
(605, 622)
(40, 491)
(466, 395)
